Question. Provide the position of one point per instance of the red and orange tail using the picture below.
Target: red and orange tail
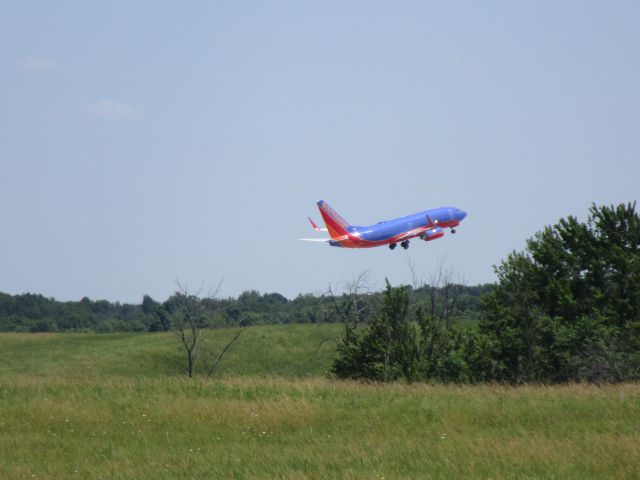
(336, 225)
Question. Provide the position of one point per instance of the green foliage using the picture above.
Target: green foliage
(569, 307)
(35, 313)
(386, 349)
(397, 344)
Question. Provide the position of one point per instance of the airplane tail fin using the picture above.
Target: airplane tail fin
(336, 225)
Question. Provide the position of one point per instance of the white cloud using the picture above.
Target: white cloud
(112, 108)
(37, 63)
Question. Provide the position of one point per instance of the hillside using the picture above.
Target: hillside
(270, 350)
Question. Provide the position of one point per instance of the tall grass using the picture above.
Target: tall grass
(85, 415)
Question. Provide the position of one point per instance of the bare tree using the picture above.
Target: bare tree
(443, 290)
(188, 320)
(186, 323)
(353, 305)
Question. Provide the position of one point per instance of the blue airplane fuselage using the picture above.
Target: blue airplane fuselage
(426, 225)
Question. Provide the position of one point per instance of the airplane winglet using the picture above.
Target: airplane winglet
(315, 227)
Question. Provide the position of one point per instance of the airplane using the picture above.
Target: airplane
(427, 225)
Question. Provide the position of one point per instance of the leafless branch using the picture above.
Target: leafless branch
(213, 366)
(415, 282)
(328, 339)
(351, 306)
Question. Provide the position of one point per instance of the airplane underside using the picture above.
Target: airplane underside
(354, 241)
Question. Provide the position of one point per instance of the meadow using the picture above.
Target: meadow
(119, 406)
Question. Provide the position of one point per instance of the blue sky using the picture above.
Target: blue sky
(142, 142)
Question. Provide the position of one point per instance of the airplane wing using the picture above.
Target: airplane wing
(419, 231)
(411, 233)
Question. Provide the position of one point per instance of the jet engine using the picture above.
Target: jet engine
(432, 234)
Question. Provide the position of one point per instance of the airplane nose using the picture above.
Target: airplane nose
(462, 214)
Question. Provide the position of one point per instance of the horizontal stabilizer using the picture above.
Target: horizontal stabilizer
(315, 227)
(315, 239)
(337, 239)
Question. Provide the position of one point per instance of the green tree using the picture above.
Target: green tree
(149, 305)
(568, 308)
(386, 348)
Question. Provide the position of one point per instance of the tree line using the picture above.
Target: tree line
(30, 312)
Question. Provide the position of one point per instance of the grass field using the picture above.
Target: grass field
(280, 350)
(117, 406)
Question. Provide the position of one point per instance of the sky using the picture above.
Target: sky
(147, 142)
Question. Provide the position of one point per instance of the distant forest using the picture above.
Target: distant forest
(30, 312)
